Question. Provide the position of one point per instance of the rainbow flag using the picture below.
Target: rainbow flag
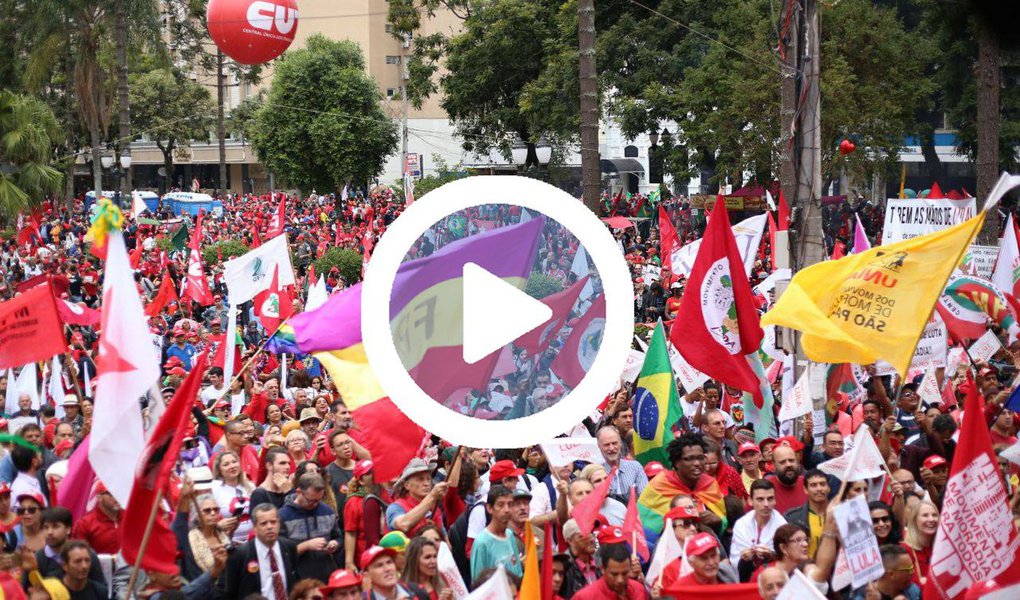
(283, 342)
(654, 500)
(656, 402)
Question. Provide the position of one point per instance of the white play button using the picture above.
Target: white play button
(495, 313)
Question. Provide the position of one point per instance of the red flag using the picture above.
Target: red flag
(152, 474)
(273, 305)
(935, 191)
(78, 314)
(197, 287)
(256, 241)
(537, 340)
(164, 297)
(716, 325)
(976, 540)
(390, 437)
(32, 282)
(633, 529)
(772, 240)
(588, 509)
(30, 328)
(279, 218)
(784, 213)
(136, 255)
(838, 250)
(547, 560)
(730, 591)
(578, 352)
(669, 241)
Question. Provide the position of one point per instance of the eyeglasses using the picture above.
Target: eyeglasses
(317, 597)
(27, 511)
(877, 520)
(212, 510)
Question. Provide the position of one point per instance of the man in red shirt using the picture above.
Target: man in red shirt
(788, 478)
(620, 575)
(99, 526)
(703, 554)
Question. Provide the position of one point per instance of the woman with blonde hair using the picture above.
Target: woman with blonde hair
(922, 524)
(232, 490)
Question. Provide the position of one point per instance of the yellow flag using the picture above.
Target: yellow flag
(531, 585)
(352, 374)
(873, 305)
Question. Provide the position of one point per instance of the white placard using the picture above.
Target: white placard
(985, 347)
(982, 259)
(635, 360)
(907, 218)
(858, 536)
(747, 234)
(799, 587)
(688, 376)
(564, 451)
(447, 567)
(929, 389)
(798, 403)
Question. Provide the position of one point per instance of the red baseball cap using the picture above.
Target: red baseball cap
(339, 579)
(934, 461)
(747, 447)
(502, 469)
(4, 488)
(610, 535)
(700, 544)
(362, 466)
(653, 468)
(369, 556)
(682, 512)
(33, 495)
(792, 442)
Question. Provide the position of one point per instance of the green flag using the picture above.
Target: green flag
(656, 402)
(180, 239)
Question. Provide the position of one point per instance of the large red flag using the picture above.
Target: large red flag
(587, 510)
(669, 241)
(152, 475)
(578, 352)
(772, 241)
(717, 324)
(976, 540)
(78, 314)
(30, 328)
(537, 340)
(634, 530)
(273, 305)
(197, 287)
(783, 213)
(164, 297)
(279, 218)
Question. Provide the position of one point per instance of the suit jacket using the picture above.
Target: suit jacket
(237, 581)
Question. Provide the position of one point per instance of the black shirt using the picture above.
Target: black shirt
(91, 591)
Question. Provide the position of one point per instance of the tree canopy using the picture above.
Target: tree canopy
(322, 124)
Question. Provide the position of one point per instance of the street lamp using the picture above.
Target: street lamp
(520, 152)
(543, 151)
(653, 138)
(667, 137)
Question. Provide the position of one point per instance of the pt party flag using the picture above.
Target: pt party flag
(716, 325)
(656, 402)
(872, 305)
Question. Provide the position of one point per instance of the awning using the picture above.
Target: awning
(621, 165)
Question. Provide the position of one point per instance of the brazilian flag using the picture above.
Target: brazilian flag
(458, 226)
(656, 402)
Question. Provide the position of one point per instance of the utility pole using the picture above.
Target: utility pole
(590, 172)
(789, 66)
(221, 130)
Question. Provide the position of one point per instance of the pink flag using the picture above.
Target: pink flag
(76, 490)
(861, 242)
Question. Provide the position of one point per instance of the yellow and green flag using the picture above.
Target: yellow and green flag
(656, 402)
(873, 305)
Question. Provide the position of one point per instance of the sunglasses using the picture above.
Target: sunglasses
(27, 511)
(688, 523)
(877, 520)
(909, 569)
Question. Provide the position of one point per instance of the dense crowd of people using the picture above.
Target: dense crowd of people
(277, 496)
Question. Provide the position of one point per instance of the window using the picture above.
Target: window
(393, 60)
(630, 152)
(391, 93)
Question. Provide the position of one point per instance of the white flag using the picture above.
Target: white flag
(864, 461)
(127, 369)
(56, 386)
(580, 268)
(798, 403)
(799, 587)
(448, 570)
(248, 275)
(564, 451)
(496, 587)
(317, 295)
(26, 383)
(666, 551)
(747, 234)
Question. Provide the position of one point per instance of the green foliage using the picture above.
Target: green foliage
(345, 259)
(171, 108)
(242, 116)
(541, 285)
(322, 125)
(6, 234)
(28, 134)
(643, 331)
(228, 248)
(444, 174)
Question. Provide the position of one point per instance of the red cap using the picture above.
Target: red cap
(362, 466)
(653, 468)
(792, 442)
(369, 556)
(700, 544)
(33, 495)
(62, 446)
(502, 469)
(4, 488)
(101, 488)
(341, 578)
(610, 535)
(934, 461)
(767, 440)
(682, 512)
(3, 423)
(747, 447)
(178, 371)
(221, 404)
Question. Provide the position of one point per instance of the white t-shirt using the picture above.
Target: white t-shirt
(211, 394)
(234, 501)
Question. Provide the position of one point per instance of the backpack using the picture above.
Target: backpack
(458, 541)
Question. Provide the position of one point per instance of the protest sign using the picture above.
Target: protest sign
(980, 260)
(858, 535)
(798, 402)
(747, 234)
(564, 451)
(985, 347)
(689, 377)
(635, 360)
(447, 567)
(929, 390)
(907, 218)
(932, 348)
(799, 587)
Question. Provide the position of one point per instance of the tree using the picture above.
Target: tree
(28, 133)
(172, 109)
(322, 125)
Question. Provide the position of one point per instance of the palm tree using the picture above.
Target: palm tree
(28, 133)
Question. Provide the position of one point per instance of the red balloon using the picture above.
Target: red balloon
(846, 147)
(252, 31)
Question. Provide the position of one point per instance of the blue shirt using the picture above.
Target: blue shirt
(185, 354)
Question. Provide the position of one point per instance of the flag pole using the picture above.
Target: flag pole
(145, 541)
(253, 356)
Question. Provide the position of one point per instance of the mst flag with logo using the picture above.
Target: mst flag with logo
(562, 303)
(582, 345)
(273, 305)
(251, 273)
(196, 286)
(716, 325)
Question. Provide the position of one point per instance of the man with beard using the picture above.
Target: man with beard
(789, 482)
(618, 581)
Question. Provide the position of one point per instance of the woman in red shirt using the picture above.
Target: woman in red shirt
(922, 524)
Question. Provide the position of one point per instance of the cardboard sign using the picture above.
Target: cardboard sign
(854, 521)
(985, 347)
(564, 451)
(907, 218)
